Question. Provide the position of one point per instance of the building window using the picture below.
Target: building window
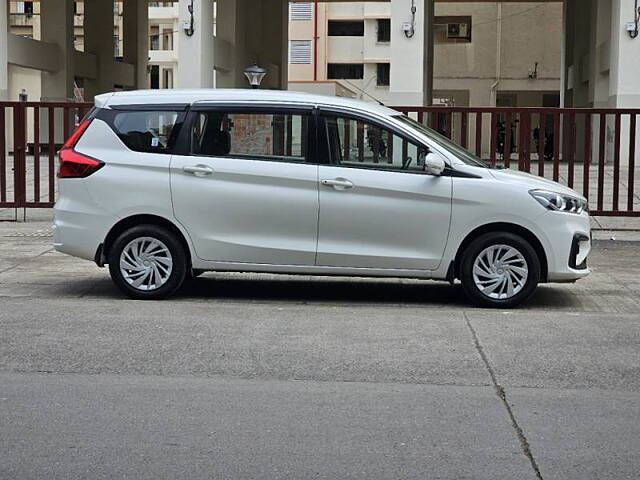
(167, 78)
(384, 69)
(25, 7)
(167, 39)
(154, 37)
(300, 52)
(339, 28)
(345, 71)
(384, 30)
(301, 12)
(452, 29)
(154, 80)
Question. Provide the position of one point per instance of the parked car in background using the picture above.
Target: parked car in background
(163, 185)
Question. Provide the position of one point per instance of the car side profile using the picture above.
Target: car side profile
(164, 185)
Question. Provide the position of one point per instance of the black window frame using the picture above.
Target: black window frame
(311, 156)
(108, 115)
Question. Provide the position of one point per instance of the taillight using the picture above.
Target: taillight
(74, 164)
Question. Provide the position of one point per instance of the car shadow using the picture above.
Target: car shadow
(337, 290)
(324, 289)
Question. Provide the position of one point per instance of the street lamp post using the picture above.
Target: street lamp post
(255, 74)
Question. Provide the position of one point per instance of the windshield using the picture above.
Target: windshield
(460, 153)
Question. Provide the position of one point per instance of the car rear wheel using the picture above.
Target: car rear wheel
(499, 270)
(148, 262)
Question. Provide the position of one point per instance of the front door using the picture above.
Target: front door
(247, 192)
(378, 208)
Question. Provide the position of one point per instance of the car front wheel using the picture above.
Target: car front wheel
(147, 262)
(499, 270)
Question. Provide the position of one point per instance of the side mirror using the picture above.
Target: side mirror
(434, 164)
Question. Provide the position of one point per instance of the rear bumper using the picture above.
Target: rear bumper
(79, 226)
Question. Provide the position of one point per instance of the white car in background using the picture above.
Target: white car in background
(164, 185)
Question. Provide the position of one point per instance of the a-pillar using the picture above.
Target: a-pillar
(411, 79)
(57, 28)
(4, 52)
(135, 34)
(195, 44)
(98, 41)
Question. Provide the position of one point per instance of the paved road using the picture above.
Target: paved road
(258, 376)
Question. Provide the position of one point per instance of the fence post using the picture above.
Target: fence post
(19, 152)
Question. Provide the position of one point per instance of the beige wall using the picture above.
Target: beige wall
(530, 32)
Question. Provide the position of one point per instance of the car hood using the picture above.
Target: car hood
(532, 181)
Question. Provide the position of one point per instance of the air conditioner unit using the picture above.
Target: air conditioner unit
(457, 30)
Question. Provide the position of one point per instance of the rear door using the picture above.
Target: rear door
(246, 190)
(378, 208)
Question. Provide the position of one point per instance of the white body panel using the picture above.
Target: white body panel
(271, 216)
(386, 220)
(248, 211)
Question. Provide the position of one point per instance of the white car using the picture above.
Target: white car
(164, 185)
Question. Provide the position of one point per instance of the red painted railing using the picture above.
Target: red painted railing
(590, 150)
(581, 148)
(30, 135)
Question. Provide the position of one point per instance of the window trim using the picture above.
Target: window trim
(311, 154)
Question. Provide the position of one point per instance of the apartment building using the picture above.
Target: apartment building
(24, 21)
(163, 44)
(489, 53)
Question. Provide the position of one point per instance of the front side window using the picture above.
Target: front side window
(355, 143)
(252, 135)
(146, 131)
(460, 153)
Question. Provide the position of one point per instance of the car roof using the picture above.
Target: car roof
(188, 97)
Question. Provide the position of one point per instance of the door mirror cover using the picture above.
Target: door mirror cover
(434, 164)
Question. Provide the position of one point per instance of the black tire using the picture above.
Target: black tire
(179, 260)
(476, 247)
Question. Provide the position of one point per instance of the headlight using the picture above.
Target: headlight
(560, 202)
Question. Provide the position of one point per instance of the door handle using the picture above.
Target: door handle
(198, 170)
(338, 183)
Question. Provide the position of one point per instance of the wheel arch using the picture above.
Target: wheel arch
(525, 233)
(134, 220)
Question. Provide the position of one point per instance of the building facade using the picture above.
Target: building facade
(489, 53)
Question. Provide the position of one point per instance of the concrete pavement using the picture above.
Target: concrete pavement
(260, 376)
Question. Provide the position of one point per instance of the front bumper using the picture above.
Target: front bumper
(567, 244)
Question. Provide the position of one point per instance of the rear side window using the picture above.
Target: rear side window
(152, 131)
(274, 136)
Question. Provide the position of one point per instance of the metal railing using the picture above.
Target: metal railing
(581, 148)
(31, 133)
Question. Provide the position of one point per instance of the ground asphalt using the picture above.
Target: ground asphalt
(277, 377)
